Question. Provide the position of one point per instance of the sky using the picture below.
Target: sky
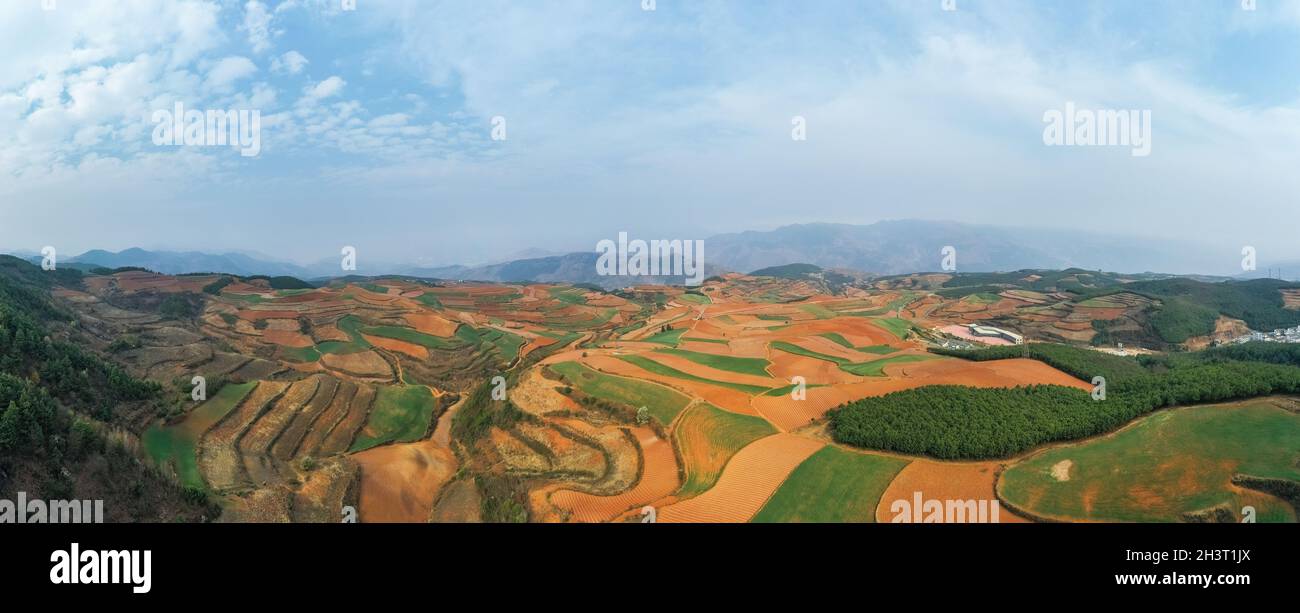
(663, 119)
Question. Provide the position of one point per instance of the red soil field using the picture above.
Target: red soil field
(786, 366)
(287, 338)
(400, 482)
(364, 364)
(750, 478)
(721, 397)
(715, 374)
(658, 479)
(430, 323)
(392, 344)
(256, 314)
(943, 481)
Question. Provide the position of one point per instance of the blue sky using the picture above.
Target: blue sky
(376, 122)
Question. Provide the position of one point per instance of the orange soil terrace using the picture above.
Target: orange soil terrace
(943, 481)
(750, 478)
(658, 479)
(578, 461)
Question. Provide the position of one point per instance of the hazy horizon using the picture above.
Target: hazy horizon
(377, 124)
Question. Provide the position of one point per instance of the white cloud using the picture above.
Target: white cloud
(257, 23)
(325, 89)
(226, 72)
(291, 62)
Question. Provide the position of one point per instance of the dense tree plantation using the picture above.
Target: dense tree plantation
(955, 422)
(46, 387)
(1190, 307)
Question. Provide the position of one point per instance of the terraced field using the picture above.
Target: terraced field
(380, 394)
(662, 402)
(175, 446)
(707, 437)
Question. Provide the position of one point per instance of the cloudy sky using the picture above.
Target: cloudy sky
(676, 122)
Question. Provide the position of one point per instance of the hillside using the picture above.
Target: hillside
(63, 408)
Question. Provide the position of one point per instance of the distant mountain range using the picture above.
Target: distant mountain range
(885, 248)
(180, 262)
(899, 247)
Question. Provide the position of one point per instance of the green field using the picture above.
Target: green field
(429, 299)
(401, 413)
(730, 363)
(818, 311)
(707, 437)
(695, 298)
(413, 336)
(808, 353)
(876, 368)
(506, 343)
(897, 327)
(832, 486)
(873, 368)
(1167, 464)
(664, 403)
(176, 445)
(249, 298)
(660, 369)
(700, 339)
(569, 295)
(668, 337)
(838, 339)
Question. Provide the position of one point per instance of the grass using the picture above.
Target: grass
(876, 368)
(374, 287)
(506, 343)
(700, 339)
(808, 353)
(707, 437)
(176, 445)
(818, 311)
(694, 298)
(838, 339)
(876, 349)
(429, 299)
(668, 337)
(659, 369)
(897, 327)
(569, 295)
(729, 363)
(413, 336)
(401, 413)
(1169, 463)
(832, 486)
(663, 402)
(249, 298)
(873, 368)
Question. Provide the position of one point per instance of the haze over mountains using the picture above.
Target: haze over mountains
(887, 247)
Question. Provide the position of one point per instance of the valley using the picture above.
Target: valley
(412, 400)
